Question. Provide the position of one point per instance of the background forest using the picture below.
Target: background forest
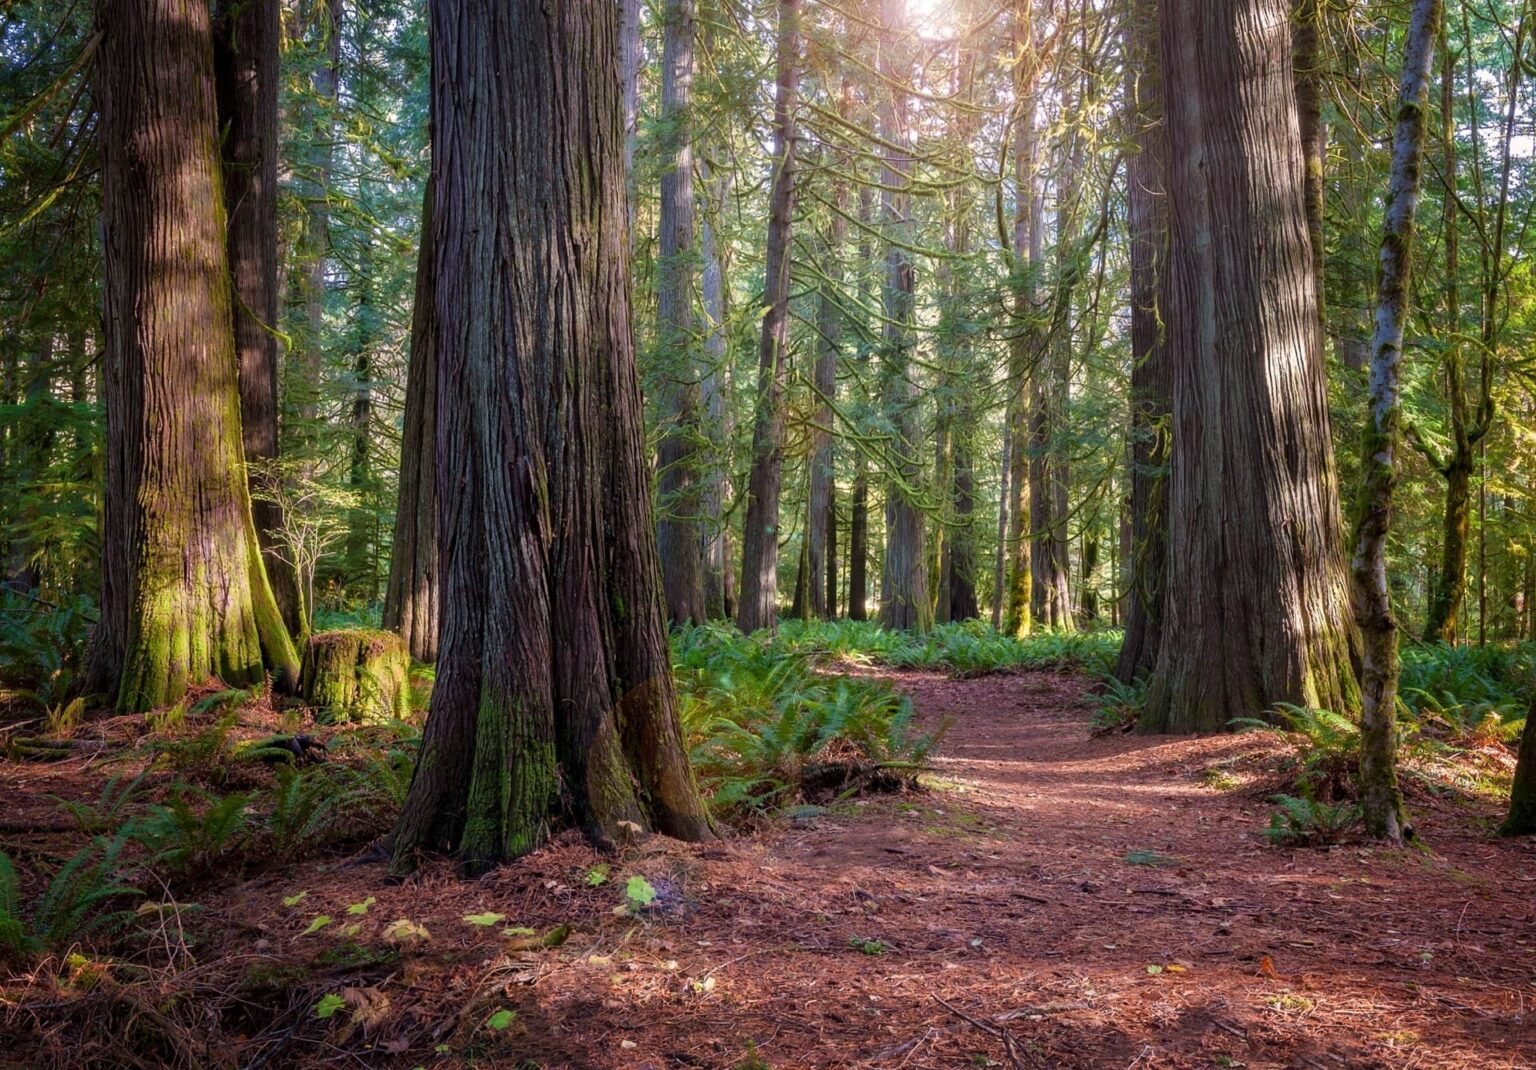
(1060, 343)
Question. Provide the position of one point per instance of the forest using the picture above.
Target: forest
(767, 534)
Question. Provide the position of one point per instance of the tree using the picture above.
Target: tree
(554, 697)
(410, 595)
(1381, 800)
(757, 606)
(1147, 448)
(185, 594)
(904, 599)
(679, 530)
(1256, 588)
(246, 39)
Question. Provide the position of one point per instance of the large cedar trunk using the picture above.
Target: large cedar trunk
(554, 700)
(1151, 391)
(1257, 609)
(758, 605)
(246, 38)
(410, 596)
(1522, 795)
(185, 595)
(678, 529)
(904, 598)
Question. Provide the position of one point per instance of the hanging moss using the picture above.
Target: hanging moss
(357, 675)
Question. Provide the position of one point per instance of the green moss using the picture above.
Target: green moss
(357, 675)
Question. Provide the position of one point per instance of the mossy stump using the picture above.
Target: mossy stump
(357, 675)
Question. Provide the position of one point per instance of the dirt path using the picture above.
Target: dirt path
(1057, 901)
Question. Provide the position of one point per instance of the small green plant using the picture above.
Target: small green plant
(1301, 822)
(1327, 747)
(867, 946)
(597, 876)
(87, 895)
(1116, 705)
(110, 811)
(192, 832)
(638, 894)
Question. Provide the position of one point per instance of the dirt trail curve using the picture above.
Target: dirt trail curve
(1072, 902)
(1057, 901)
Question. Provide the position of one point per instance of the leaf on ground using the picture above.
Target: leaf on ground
(294, 900)
(405, 931)
(320, 921)
(328, 1005)
(1142, 857)
(500, 1020)
(485, 920)
(362, 908)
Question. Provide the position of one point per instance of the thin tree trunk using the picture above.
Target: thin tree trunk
(678, 531)
(246, 42)
(1307, 61)
(361, 562)
(554, 698)
(719, 576)
(858, 520)
(410, 598)
(185, 595)
(1023, 334)
(1381, 800)
(1257, 590)
(1151, 388)
(904, 598)
(1004, 498)
(758, 607)
(829, 341)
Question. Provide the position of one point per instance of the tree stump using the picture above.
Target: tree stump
(357, 675)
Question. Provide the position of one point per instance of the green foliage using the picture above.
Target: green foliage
(88, 895)
(1306, 822)
(1466, 686)
(192, 832)
(110, 811)
(1116, 704)
(867, 946)
(1327, 748)
(41, 644)
(757, 714)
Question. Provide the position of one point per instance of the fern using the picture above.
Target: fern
(78, 901)
(192, 832)
(1302, 822)
(108, 813)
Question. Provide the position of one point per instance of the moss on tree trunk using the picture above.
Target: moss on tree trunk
(1522, 796)
(357, 675)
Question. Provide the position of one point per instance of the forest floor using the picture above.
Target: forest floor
(1051, 900)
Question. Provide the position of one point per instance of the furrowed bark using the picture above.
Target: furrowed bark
(1257, 590)
(554, 701)
(185, 594)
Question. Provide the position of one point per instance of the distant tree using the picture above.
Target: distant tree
(554, 699)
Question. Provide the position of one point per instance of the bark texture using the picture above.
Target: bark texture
(758, 604)
(410, 596)
(246, 39)
(357, 675)
(1256, 586)
(185, 595)
(554, 701)
(1522, 795)
(1019, 618)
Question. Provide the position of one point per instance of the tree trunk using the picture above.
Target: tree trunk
(758, 606)
(678, 531)
(1256, 590)
(359, 558)
(185, 595)
(1151, 389)
(1381, 800)
(357, 675)
(410, 596)
(1021, 372)
(246, 38)
(554, 698)
(829, 340)
(1307, 70)
(1522, 795)
(858, 519)
(904, 599)
(1004, 498)
(719, 576)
